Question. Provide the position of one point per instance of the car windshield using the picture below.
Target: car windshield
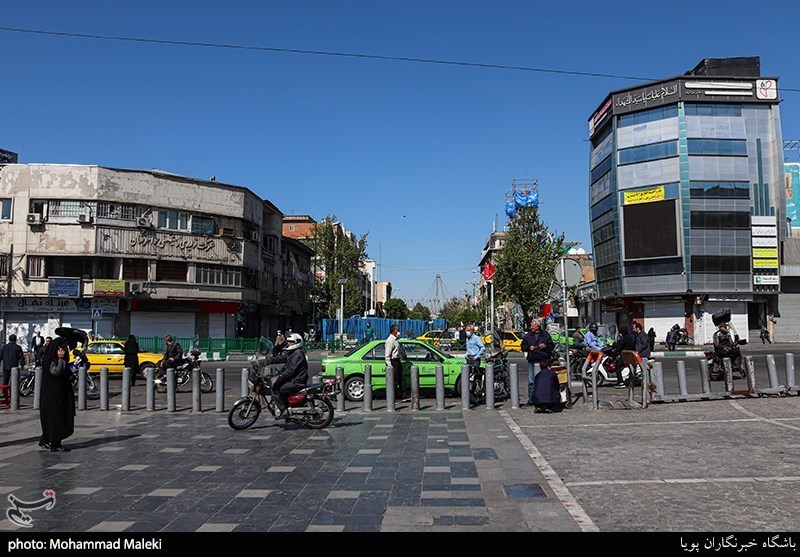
(352, 351)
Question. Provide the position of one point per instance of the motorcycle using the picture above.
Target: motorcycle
(28, 381)
(311, 406)
(183, 373)
(683, 337)
(502, 379)
(716, 370)
(607, 370)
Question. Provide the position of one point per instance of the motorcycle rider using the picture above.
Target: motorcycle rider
(294, 375)
(726, 345)
(624, 342)
(591, 339)
(173, 354)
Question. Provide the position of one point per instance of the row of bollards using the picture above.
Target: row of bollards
(125, 404)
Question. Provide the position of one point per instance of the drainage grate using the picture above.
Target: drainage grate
(484, 454)
(524, 491)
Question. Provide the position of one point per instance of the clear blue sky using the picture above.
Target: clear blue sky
(418, 156)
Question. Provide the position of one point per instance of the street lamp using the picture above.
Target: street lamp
(342, 282)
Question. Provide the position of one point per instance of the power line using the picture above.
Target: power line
(329, 53)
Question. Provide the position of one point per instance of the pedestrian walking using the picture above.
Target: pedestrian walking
(369, 334)
(12, 356)
(651, 334)
(132, 357)
(539, 345)
(395, 355)
(765, 335)
(36, 342)
(57, 403)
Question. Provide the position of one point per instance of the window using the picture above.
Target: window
(291, 228)
(650, 152)
(272, 244)
(218, 275)
(39, 206)
(603, 206)
(135, 269)
(720, 264)
(4, 265)
(173, 220)
(651, 115)
(121, 211)
(719, 147)
(70, 208)
(720, 219)
(5, 209)
(601, 169)
(719, 190)
(712, 109)
(35, 266)
(171, 271)
(203, 225)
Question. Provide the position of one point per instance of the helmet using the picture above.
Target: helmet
(676, 327)
(295, 340)
(593, 327)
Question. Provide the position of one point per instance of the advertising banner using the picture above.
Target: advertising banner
(643, 196)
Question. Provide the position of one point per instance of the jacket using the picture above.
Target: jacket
(12, 356)
(546, 390)
(642, 345)
(531, 342)
(174, 350)
(295, 367)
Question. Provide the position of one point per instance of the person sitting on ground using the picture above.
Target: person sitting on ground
(546, 394)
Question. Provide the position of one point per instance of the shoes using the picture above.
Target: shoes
(620, 386)
(44, 445)
(547, 410)
(59, 449)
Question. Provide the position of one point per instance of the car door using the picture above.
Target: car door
(425, 359)
(115, 356)
(376, 359)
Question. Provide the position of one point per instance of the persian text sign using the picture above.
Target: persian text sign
(108, 287)
(58, 287)
(765, 263)
(765, 242)
(643, 196)
(168, 245)
(766, 280)
(58, 305)
(765, 253)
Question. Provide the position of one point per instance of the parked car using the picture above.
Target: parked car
(419, 353)
(437, 337)
(111, 354)
(509, 340)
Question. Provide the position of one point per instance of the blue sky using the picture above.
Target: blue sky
(419, 156)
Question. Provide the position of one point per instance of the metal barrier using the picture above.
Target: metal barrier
(126, 389)
(513, 375)
(14, 386)
(151, 389)
(81, 388)
(171, 407)
(389, 389)
(340, 396)
(220, 407)
(440, 387)
(414, 387)
(465, 405)
(367, 402)
(103, 388)
(197, 401)
(707, 394)
(488, 381)
(791, 387)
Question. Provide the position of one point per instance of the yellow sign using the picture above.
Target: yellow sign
(763, 253)
(643, 196)
(765, 263)
(109, 287)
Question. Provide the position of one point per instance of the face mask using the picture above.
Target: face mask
(469, 334)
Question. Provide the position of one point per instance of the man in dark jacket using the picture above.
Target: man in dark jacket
(12, 356)
(173, 354)
(624, 342)
(293, 376)
(539, 345)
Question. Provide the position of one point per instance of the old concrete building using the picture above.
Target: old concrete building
(139, 251)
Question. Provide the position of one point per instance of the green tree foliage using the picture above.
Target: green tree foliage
(338, 257)
(420, 312)
(395, 308)
(456, 311)
(525, 264)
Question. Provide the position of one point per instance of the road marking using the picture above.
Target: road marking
(740, 408)
(682, 481)
(556, 484)
(681, 422)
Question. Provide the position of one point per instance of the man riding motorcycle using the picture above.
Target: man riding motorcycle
(726, 345)
(294, 375)
(591, 339)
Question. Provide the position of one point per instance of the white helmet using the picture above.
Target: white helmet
(295, 340)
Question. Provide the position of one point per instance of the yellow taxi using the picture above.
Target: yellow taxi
(437, 337)
(511, 340)
(111, 354)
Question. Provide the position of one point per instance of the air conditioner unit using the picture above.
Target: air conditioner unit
(144, 222)
(84, 217)
(34, 218)
(254, 235)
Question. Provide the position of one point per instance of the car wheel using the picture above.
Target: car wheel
(354, 388)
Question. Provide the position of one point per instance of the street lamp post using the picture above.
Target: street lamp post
(342, 282)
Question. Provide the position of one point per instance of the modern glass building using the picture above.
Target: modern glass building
(687, 200)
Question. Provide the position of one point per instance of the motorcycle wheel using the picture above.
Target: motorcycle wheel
(26, 386)
(206, 383)
(324, 415)
(92, 388)
(244, 413)
(160, 381)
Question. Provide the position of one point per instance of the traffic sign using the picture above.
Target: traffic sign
(570, 274)
(97, 313)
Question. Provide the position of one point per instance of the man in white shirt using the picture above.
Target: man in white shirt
(394, 359)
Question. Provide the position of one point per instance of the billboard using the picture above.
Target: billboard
(792, 175)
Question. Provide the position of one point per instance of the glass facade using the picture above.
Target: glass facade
(716, 162)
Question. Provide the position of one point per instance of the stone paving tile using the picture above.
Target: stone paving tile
(111, 526)
(216, 527)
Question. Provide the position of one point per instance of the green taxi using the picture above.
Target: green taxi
(419, 353)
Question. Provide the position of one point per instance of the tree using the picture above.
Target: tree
(524, 267)
(337, 257)
(395, 308)
(420, 312)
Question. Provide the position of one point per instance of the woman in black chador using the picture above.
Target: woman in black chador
(132, 357)
(57, 403)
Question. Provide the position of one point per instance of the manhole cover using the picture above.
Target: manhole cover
(524, 491)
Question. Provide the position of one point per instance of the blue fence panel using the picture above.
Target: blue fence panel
(354, 327)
